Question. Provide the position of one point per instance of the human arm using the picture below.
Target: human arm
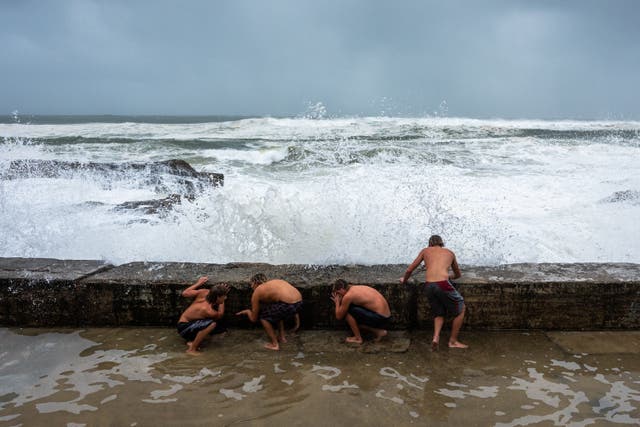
(216, 312)
(416, 262)
(341, 304)
(456, 269)
(218, 306)
(253, 312)
(211, 312)
(220, 310)
(192, 291)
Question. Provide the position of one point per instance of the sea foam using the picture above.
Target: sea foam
(344, 190)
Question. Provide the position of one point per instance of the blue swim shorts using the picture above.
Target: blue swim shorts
(277, 311)
(444, 299)
(367, 317)
(189, 330)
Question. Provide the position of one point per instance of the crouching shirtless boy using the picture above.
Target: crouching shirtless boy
(273, 302)
(202, 317)
(363, 308)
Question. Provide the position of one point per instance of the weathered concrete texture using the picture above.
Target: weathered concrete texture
(149, 293)
(551, 296)
(40, 292)
(600, 342)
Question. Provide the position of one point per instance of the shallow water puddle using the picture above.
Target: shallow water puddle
(138, 377)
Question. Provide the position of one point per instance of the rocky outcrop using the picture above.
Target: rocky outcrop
(47, 292)
(58, 168)
(151, 207)
(175, 177)
(630, 196)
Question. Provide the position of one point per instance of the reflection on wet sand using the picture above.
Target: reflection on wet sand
(139, 377)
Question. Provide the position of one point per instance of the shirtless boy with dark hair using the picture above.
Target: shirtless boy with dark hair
(202, 317)
(273, 302)
(363, 308)
(444, 299)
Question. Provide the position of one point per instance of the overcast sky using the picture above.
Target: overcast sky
(510, 59)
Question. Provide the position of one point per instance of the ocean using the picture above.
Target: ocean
(321, 190)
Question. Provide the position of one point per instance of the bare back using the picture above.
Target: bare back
(277, 291)
(437, 260)
(369, 298)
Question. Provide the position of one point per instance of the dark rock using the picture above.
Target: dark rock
(149, 207)
(623, 196)
(152, 171)
(164, 177)
(58, 168)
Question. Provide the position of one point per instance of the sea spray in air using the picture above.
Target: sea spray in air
(328, 190)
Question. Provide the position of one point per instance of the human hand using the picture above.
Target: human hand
(202, 280)
(335, 297)
(402, 279)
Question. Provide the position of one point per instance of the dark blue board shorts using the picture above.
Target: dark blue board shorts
(444, 299)
(277, 311)
(189, 330)
(367, 317)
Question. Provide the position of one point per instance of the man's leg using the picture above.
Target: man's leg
(268, 328)
(437, 302)
(356, 338)
(296, 324)
(455, 328)
(192, 348)
(379, 333)
(281, 336)
(438, 321)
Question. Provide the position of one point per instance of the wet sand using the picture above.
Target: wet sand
(142, 377)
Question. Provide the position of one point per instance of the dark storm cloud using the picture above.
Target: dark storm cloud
(485, 59)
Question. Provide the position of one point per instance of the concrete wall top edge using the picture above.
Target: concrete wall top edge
(183, 273)
(48, 269)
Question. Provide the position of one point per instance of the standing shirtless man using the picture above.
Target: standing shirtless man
(443, 297)
(273, 301)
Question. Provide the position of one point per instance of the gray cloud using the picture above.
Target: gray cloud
(571, 59)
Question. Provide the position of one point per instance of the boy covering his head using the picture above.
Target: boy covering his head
(363, 307)
(202, 317)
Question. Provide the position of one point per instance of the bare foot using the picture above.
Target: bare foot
(379, 335)
(434, 345)
(189, 344)
(272, 346)
(282, 339)
(353, 340)
(457, 344)
(193, 352)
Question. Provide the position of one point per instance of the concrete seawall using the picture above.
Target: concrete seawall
(49, 292)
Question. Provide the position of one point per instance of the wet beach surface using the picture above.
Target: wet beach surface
(142, 377)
